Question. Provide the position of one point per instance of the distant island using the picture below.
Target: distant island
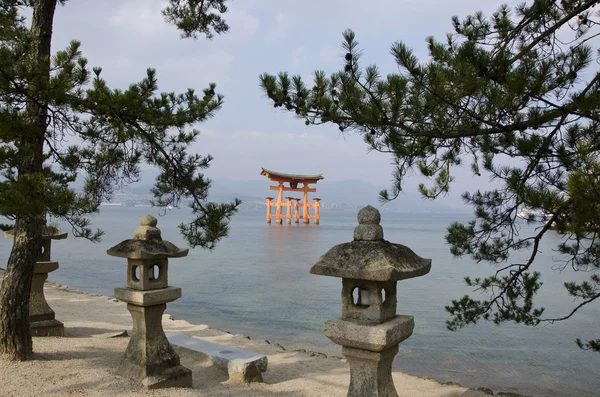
(348, 195)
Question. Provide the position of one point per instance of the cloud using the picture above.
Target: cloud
(297, 56)
(208, 67)
(309, 138)
(140, 17)
(249, 134)
(242, 25)
(431, 16)
(127, 36)
(279, 30)
(240, 154)
(143, 18)
(330, 54)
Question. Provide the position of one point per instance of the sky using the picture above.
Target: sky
(125, 37)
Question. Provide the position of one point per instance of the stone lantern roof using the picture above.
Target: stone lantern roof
(369, 256)
(147, 243)
(48, 233)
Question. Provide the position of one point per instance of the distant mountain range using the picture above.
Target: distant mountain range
(348, 192)
(353, 192)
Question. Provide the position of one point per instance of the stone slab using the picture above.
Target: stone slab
(148, 298)
(47, 328)
(372, 337)
(45, 266)
(243, 366)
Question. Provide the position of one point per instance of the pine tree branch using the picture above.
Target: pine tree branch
(522, 268)
(585, 302)
(582, 7)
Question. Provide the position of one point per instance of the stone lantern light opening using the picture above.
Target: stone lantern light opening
(369, 330)
(149, 357)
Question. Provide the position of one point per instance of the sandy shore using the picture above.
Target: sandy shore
(84, 362)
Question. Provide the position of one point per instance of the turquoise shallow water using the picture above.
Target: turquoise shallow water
(257, 282)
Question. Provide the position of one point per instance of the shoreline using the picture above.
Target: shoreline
(97, 322)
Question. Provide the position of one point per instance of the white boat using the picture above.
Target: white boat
(532, 215)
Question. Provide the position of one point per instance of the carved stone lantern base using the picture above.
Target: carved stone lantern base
(41, 316)
(149, 356)
(370, 372)
(370, 350)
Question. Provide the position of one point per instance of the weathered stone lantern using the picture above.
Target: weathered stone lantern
(41, 316)
(149, 356)
(369, 330)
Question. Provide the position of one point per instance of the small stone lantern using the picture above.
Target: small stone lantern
(369, 330)
(149, 356)
(41, 316)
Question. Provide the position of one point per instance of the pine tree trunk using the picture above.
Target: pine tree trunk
(15, 335)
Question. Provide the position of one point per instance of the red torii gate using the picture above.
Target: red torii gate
(293, 181)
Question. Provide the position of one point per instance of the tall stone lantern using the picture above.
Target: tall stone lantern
(369, 330)
(149, 356)
(41, 316)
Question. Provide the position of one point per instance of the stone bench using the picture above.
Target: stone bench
(242, 366)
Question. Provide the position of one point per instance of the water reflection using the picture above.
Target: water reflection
(286, 247)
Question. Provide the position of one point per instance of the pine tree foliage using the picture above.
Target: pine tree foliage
(118, 130)
(514, 94)
(59, 119)
(197, 16)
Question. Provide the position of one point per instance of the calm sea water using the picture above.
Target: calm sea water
(257, 282)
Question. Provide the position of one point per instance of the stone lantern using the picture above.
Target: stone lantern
(149, 356)
(41, 316)
(369, 330)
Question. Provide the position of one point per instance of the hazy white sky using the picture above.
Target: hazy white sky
(125, 37)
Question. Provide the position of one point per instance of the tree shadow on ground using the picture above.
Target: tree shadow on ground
(83, 353)
(290, 366)
(86, 332)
